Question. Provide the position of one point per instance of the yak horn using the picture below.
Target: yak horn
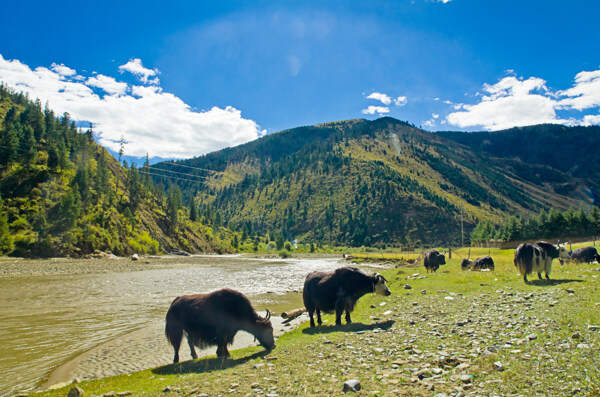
(267, 317)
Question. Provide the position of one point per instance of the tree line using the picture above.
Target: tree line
(552, 224)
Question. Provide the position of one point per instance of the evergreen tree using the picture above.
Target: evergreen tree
(6, 241)
(193, 211)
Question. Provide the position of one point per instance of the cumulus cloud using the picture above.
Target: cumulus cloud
(150, 120)
(383, 98)
(514, 101)
(135, 67)
(508, 103)
(376, 109)
(585, 94)
(63, 70)
(108, 84)
(400, 101)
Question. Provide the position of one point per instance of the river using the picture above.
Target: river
(48, 322)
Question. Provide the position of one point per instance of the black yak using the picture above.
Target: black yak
(214, 319)
(585, 254)
(433, 259)
(339, 290)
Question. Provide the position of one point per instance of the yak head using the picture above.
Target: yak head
(563, 252)
(379, 285)
(264, 331)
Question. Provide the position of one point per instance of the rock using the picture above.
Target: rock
(407, 286)
(466, 378)
(135, 257)
(583, 346)
(462, 367)
(448, 298)
(352, 385)
(110, 394)
(594, 327)
(167, 389)
(424, 292)
(531, 336)
(256, 366)
(76, 380)
(76, 392)
(576, 336)
(498, 366)
(124, 393)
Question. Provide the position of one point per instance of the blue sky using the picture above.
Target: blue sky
(184, 78)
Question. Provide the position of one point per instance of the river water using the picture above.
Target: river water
(49, 321)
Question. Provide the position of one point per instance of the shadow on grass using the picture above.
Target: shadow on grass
(352, 327)
(550, 283)
(205, 364)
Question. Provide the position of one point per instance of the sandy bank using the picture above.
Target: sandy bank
(143, 349)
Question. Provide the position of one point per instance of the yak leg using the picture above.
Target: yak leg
(319, 321)
(176, 342)
(192, 349)
(525, 278)
(312, 321)
(348, 319)
(540, 275)
(222, 345)
(340, 305)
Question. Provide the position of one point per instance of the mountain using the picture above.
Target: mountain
(381, 182)
(63, 194)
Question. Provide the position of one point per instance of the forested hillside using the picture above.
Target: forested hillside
(360, 182)
(62, 194)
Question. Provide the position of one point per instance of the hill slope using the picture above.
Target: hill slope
(362, 182)
(62, 194)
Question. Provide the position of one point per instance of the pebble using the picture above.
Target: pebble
(594, 327)
(583, 346)
(498, 366)
(113, 394)
(124, 393)
(352, 385)
(466, 378)
(531, 336)
(407, 286)
(76, 392)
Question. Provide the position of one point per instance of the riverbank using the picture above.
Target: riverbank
(55, 311)
(142, 349)
(23, 267)
(451, 333)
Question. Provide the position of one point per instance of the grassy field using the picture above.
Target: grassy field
(451, 333)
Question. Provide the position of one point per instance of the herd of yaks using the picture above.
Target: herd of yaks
(215, 318)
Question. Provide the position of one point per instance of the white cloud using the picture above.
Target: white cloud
(108, 84)
(63, 70)
(591, 119)
(135, 67)
(383, 98)
(400, 101)
(585, 94)
(376, 109)
(508, 103)
(517, 102)
(152, 121)
(444, 1)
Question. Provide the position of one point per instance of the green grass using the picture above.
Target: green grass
(444, 320)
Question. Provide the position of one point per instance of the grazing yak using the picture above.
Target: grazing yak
(339, 290)
(466, 264)
(485, 262)
(214, 319)
(433, 259)
(530, 258)
(585, 254)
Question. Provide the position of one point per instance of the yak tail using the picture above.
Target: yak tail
(173, 330)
